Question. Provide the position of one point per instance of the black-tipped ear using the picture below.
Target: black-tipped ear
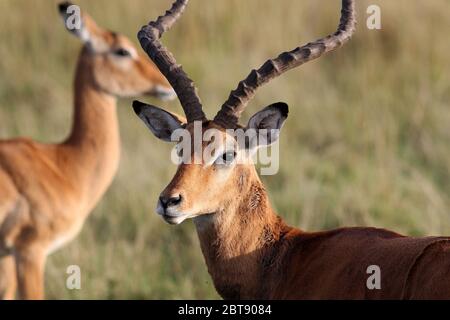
(271, 119)
(63, 6)
(159, 121)
(284, 108)
(74, 21)
(138, 106)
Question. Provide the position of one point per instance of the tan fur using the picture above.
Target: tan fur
(47, 190)
(252, 254)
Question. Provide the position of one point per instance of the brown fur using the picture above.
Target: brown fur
(47, 190)
(252, 254)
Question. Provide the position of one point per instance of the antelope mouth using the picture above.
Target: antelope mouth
(174, 219)
(170, 217)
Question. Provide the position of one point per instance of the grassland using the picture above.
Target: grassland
(367, 141)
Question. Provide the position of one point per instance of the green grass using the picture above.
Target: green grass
(367, 141)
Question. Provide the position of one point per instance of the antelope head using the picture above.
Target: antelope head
(206, 186)
(114, 64)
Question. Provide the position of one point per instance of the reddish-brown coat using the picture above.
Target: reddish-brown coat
(252, 254)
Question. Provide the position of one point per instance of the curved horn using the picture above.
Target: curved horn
(149, 37)
(231, 110)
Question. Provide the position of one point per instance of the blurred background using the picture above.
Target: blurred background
(367, 141)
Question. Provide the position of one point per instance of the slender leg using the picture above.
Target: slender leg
(8, 279)
(30, 271)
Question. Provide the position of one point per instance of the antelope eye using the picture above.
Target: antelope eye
(227, 158)
(121, 52)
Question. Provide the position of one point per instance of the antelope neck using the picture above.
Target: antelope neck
(240, 242)
(93, 146)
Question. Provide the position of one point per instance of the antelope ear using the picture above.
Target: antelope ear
(73, 21)
(267, 123)
(81, 25)
(159, 121)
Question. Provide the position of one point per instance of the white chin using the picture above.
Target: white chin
(174, 220)
(171, 217)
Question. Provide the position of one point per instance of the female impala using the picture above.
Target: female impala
(47, 191)
(249, 250)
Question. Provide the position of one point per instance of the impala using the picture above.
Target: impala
(250, 252)
(48, 190)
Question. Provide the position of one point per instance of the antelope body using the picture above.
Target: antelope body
(47, 190)
(250, 252)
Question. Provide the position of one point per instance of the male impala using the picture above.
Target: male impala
(249, 250)
(47, 190)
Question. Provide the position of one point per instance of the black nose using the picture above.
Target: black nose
(170, 202)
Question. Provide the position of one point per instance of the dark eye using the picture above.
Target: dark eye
(228, 157)
(121, 52)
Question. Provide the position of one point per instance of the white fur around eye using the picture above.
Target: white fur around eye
(133, 53)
